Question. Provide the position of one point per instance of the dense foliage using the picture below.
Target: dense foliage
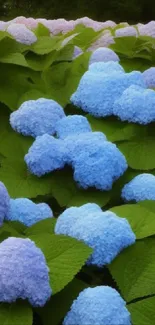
(77, 209)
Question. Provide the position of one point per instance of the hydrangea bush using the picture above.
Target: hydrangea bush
(77, 172)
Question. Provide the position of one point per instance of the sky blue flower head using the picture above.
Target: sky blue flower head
(99, 166)
(106, 67)
(149, 77)
(45, 155)
(37, 117)
(126, 31)
(136, 105)
(23, 272)
(75, 145)
(101, 305)
(105, 232)
(68, 218)
(140, 188)
(103, 54)
(72, 124)
(4, 202)
(97, 93)
(28, 212)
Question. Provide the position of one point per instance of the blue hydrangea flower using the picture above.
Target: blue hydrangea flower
(23, 272)
(103, 54)
(101, 305)
(27, 212)
(149, 77)
(136, 105)
(126, 31)
(37, 117)
(77, 52)
(97, 93)
(105, 232)
(107, 68)
(140, 188)
(72, 124)
(75, 146)
(45, 155)
(99, 166)
(68, 218)
(4, 202)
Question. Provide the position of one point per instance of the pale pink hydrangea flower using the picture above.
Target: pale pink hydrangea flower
(22, 34)
(147, 29)
(3, 25)
(104, 41)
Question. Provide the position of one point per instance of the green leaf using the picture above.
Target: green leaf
(9, 46)
(141, 218)
(133, 270)
(64, 78)
(138, 64)
(149, 205)
(142, 312)
(116, 130)
(59, 304)
(16, 313)
(85, 196)
(45, 45)
(43, 226)
(32, 94)
(85, 37)
(139, 153)
(20, 183)
(14, 58)
(17, 226)
(65, 256)
(41, 30)
(124, 45)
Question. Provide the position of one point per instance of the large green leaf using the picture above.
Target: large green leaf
(141, 218)
(19, 313)
(41, 30)
(14, 58)
(140, 153)
(142, 312)
(20, 183)
(65, 256)
(63, 78)
(42, 226)
(59, 304)
(86, 196)
(45, 45)
(116, 130)
(134, 269)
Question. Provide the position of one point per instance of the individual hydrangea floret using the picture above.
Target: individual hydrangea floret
(27, 212)
(126, 31)
(97, 92)
(37, 117)
(103, 54)
(22, 34)
(149, 77)
(99, 166)
(72, 125)
(77, 52)
(4, 202)
(136, 105)
(76, 145)
(101, 305)
(105, 232)
(23, 272)
(107, 68)
(45, 155)
(140, 188)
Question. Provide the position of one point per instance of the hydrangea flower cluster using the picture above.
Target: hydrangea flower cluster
(105, 232)
(22, 209)
(126, 31)
(103, 54)
(99, 88)
(21, 33)
(37, 117)
(140, 188)
(27, 212)
(149, 77)
(23, 272)
(99, 305)
(95, 161)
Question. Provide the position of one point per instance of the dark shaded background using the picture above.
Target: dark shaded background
(132, 11)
